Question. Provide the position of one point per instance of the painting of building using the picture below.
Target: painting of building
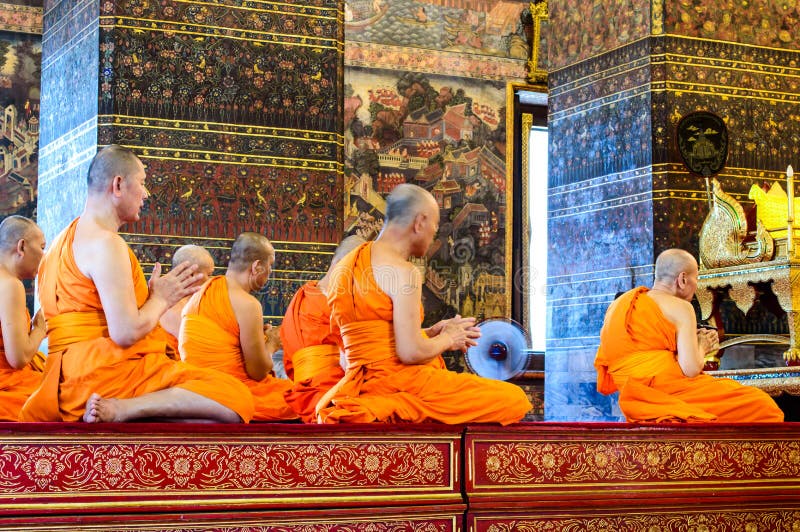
(20, 61)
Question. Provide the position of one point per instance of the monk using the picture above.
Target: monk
(311, 354)
(395, 371)
(222, 327)
(171, 320)
(653, 353)
(21, 248)
(105, 361)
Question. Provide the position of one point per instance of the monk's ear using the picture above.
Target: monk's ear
(20, 249)
(419, 221)
(116, 185)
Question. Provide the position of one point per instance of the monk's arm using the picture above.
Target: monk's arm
(690, 352)
(110, 270)
(257, 359)
(171, 319)
(20, 339)
(412, 346)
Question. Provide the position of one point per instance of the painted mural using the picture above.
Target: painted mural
(592, 28)
(425, 104)
(496, 28)
(446, 135)
(758, 22)
(20, 61)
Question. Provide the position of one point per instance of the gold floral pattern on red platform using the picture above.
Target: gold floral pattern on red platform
(668, 522)
(387, 526)
(569, 462)
(133, 466)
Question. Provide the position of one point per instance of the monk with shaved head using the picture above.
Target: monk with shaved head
(395, 371)
(311, 354)
(652, 351)
(107, 360)
(21, 248)
(171, 320)
(222, 327)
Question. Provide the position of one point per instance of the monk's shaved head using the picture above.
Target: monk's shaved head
(346, 246)
(671, 263)
(113, 160)
(197, 255)
(405, 202)
(248, 248)
(13, 229)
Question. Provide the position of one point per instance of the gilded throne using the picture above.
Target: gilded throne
(741, 255)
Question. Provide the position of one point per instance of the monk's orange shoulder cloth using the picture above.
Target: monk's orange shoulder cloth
(209, 338)
(310, 350)
(83, 359)
(638, 356)
(16, 385)
(378, 386)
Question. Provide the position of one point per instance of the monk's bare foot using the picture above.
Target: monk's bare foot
(99, 410)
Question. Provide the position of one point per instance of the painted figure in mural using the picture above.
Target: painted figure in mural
(106, 360)
(311, 354)
(21, 249)
(222, 327)
(170, 321)
(652, 352)
(395, 371)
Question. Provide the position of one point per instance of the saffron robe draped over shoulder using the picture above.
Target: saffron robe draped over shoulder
(310, 350)
(378, 386)
(16, 385)
(638, 356)
(83, 359)
(209, 338)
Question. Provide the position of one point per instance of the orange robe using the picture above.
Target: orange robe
(378, 386)
(209, 338)
(310, 350)
(83, 359)
(16, 385)
(172, 342)
(638, 356)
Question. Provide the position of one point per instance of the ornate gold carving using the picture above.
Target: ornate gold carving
(724, 231)
(612, 462)
(540, 15)
(793, 353)
(743, 295)
(669, 521)
(105, 467)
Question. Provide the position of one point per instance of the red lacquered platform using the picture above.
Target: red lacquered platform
(528, 477)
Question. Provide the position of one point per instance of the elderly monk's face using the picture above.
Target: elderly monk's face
(34, 249)
(263, 273)
(431, 224)
(134, 192)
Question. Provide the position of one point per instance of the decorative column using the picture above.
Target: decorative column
(235, 109)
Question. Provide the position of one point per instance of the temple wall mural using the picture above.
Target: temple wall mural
(425, 104)
(20, 66)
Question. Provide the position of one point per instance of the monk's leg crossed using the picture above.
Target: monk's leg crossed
(170, 402)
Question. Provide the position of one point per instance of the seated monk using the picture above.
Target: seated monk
(21, 249)
(395, 371)
(222, 327)
(310, 349)
(171, 320)
(653, 353)
(105, 361)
